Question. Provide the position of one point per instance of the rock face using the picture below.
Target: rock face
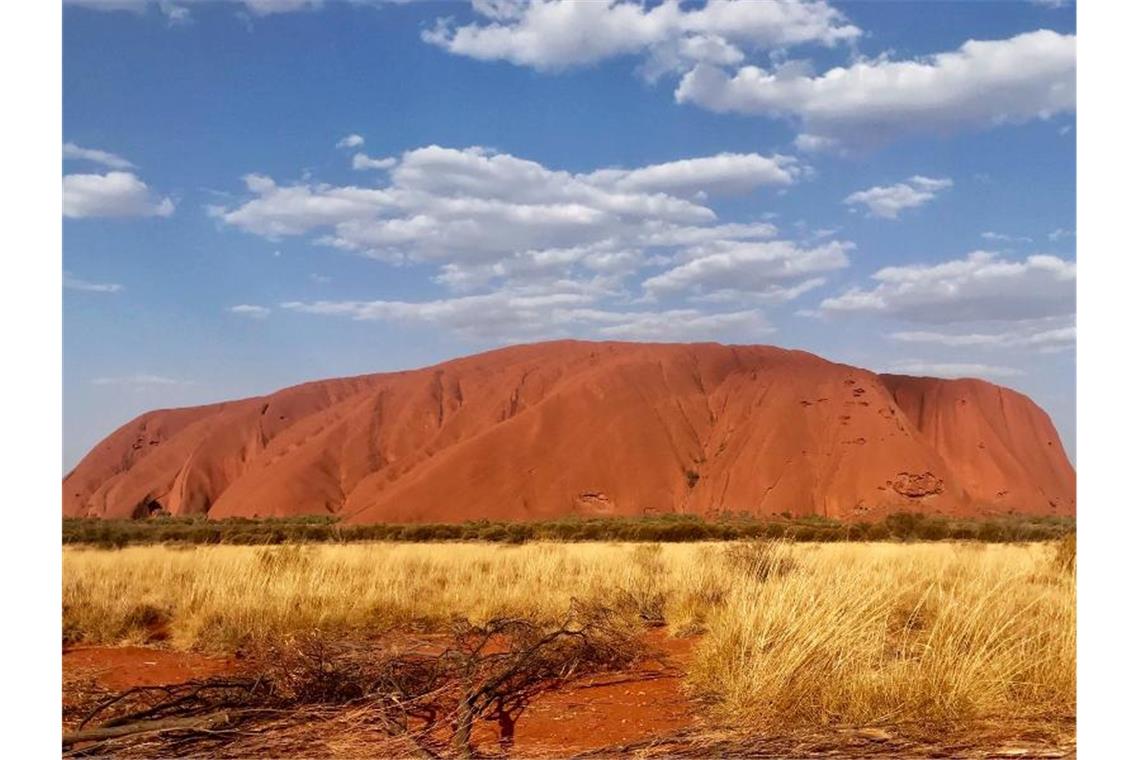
(561, 428)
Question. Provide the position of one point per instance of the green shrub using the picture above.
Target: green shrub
(658, 528)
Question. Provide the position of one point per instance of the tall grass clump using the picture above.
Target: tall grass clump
(1066, 552)
(889, 634)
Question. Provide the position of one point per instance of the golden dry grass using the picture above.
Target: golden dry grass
(883, 634)
(802, 634)
(218, 597)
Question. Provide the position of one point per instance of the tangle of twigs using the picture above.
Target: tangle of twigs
(424, 703)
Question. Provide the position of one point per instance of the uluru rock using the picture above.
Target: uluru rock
(580, 428)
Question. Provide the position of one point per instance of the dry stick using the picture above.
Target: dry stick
(201, 722)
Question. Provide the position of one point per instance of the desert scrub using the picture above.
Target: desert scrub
(109, 534)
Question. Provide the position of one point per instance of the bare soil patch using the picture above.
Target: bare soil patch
(119, 668)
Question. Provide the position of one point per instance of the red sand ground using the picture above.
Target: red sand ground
(120, 668)
(603, 711)
(612, 710)
(553, 429)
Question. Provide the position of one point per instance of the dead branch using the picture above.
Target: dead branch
(201, 723)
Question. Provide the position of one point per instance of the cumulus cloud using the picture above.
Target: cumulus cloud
(350, 141)
(520, 245)
(71, 151)
(980, 287)
(982, 84)
(484, 206)
(71, 282)
(886, 202)
(558, 34)
(952, 369)
(115, 194)
(250, 310)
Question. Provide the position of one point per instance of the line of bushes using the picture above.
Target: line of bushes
(666, 528)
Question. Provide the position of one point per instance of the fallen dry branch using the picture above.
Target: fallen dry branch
(206, 722)
(426, 702)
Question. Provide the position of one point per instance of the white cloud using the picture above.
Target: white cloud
(1059, 233)
(177, 13)
(115, 194)
(267, 7)
(518, 314)
(887, 202)
(677, 55)
(270, 7)
(982, 84)
(678, 325)
(71, 151)
(999, 237)
(980, 287)
(350, 141)
(293, 210)
(817, 143)
(737, 268)
(360, 161)
(250, 310)
(596, 266)
(111, 5)
(951, 369)
(1044, 336)
(480, 205)
(723, 174)
(557, 34)
(141, 380)
(71, 282)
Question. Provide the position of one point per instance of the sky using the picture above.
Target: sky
(257, 193)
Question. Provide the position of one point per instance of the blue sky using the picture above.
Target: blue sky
(262, 193)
